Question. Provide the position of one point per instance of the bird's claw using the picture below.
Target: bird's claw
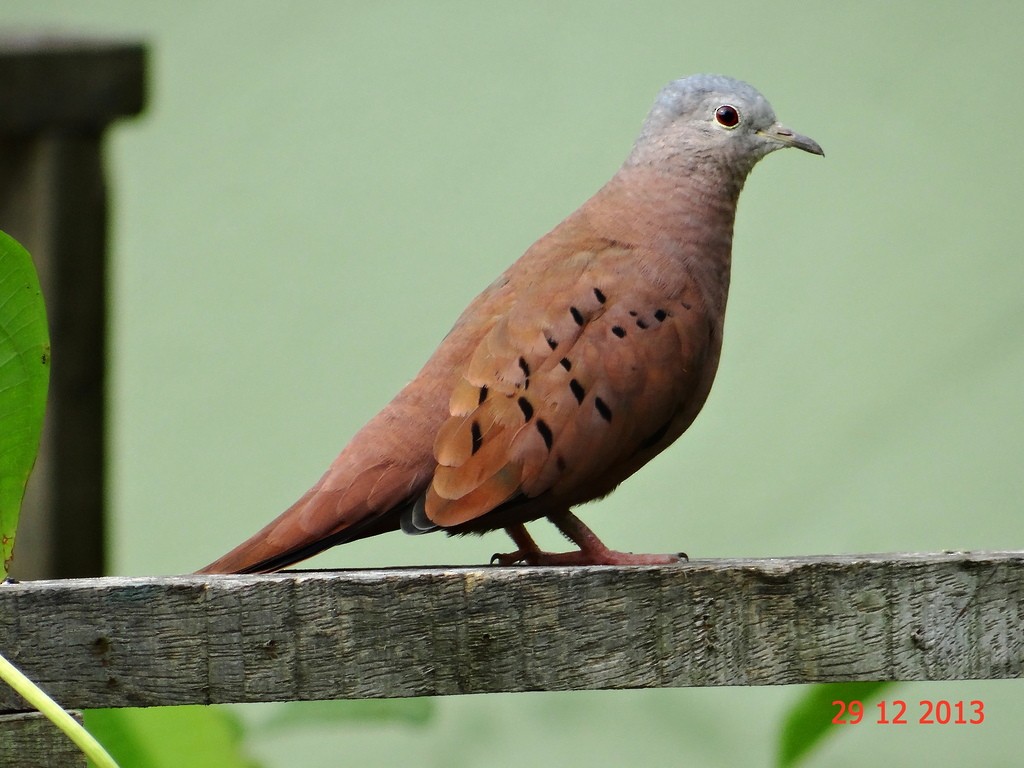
(510, 558)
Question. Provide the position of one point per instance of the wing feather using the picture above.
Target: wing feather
(564, 388)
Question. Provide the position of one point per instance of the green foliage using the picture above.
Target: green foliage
(169, 737)
(24, 378)
(412, 711)
(213, 737)
(810, 719)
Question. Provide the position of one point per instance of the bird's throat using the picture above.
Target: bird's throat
(682, 223)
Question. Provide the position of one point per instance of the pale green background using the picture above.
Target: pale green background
(318, 189)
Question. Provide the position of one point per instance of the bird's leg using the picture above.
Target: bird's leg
(528, 550)
(591, 552)
(594, 552)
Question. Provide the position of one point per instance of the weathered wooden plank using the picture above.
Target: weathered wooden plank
(426, 631)
(29, 740)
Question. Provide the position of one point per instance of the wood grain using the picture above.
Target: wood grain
(116, 642)
(29, 740)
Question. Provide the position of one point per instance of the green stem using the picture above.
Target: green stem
(35, 696)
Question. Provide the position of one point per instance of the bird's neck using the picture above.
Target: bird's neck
(683, 223)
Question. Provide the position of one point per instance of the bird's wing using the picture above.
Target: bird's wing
(584, 370)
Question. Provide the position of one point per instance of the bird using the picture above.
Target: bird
(584, 360)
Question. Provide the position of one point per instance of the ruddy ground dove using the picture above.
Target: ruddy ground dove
(584, 360)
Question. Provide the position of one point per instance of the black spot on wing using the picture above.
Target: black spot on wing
(576, 315)
(483, 395)
(526, 408)
(577, 390)
(599, 295)
(545, 432)
(619, 331)
(564, 362)
(477, 438)
(525, 368)
(603, 409)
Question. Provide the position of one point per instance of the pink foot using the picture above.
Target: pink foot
(591, 550)
(606, 557)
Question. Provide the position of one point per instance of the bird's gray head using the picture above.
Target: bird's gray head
(713, 119)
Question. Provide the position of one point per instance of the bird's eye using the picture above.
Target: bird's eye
(727, 116)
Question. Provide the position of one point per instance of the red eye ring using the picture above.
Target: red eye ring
(727, 116)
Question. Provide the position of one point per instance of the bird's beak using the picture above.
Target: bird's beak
(789, 138)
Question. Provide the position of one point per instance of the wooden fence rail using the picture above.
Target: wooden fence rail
(118, 642)
(126, 642)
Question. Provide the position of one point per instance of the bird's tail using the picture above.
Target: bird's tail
(320, 519)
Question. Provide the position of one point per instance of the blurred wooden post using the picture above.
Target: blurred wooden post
(58, 95)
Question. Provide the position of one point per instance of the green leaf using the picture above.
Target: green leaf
(24, 377)
(810, 719)
(416, 711)
(170, 737)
